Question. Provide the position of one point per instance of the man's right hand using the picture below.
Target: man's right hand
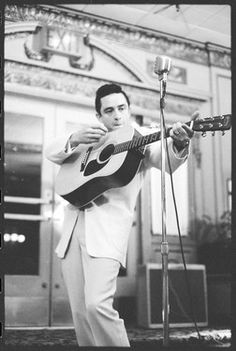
(88, 134)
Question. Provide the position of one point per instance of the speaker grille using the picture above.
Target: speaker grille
(150, 279)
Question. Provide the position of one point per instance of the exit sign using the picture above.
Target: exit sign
(60, 41)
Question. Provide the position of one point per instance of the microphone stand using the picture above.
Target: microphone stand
(164, 244)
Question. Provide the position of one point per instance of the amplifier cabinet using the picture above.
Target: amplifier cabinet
(149, 295)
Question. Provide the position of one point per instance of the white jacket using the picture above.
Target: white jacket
(107, 226)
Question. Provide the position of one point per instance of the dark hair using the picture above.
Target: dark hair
(105, 90)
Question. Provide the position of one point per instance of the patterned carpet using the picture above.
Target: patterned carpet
(50, 339)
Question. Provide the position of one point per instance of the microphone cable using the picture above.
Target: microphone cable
(181, 243)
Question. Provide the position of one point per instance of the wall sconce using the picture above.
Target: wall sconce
(14, 238)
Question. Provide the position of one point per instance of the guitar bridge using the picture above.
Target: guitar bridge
(85, 160)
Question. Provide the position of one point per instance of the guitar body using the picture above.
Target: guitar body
(114, 161)
(81, 183)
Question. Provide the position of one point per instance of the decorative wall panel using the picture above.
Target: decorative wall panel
(80, 85)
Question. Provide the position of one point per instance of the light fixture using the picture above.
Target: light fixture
(7, 237)
(14, 237)
(21, 238)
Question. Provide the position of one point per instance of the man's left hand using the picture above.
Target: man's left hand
(181, 134)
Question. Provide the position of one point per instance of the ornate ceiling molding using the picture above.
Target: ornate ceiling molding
(126, 35)
(13, 27)
(20, 30)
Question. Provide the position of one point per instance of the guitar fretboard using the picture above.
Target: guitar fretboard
(137, 142)
(222, 122)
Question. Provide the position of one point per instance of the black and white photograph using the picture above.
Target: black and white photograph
(116, 162)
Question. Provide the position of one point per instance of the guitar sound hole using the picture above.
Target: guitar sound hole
(106, 153)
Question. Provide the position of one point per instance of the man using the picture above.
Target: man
(94, 240)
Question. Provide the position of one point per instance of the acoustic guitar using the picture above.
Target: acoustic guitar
(114, 161)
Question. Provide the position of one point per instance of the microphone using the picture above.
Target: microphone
(162, 67)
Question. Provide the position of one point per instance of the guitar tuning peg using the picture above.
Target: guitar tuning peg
(203, 134)
(223, 132)
(213, 133)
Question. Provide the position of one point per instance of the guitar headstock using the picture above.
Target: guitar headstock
(212, 124)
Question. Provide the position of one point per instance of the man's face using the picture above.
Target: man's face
(115, 112)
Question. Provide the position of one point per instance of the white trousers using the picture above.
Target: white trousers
(91, 285)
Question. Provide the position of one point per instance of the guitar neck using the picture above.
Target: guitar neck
(139, 141)
(222, 122)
